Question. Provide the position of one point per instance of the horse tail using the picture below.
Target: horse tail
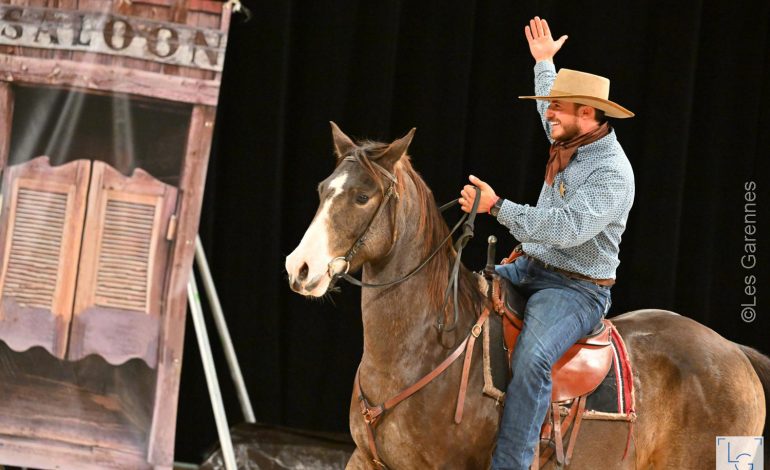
(761, 364)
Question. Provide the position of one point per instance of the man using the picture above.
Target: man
(570, 239)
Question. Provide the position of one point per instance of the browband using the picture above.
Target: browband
(389, 175)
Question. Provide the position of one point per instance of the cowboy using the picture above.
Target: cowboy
(570, 239)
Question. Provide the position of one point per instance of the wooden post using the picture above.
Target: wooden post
(161, 449)
(6, 116)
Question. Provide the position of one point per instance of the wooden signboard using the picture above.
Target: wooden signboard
(110, 34)
(167, 49)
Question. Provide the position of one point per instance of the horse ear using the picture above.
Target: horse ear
(397, 148)
(342, 143)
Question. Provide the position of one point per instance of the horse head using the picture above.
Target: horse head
(354, 223)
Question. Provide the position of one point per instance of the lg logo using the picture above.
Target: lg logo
(740, 453)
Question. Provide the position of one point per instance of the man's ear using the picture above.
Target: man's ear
(396, 149)
(342, 143)
(587, 112)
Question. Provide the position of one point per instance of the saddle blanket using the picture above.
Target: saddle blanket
(613, 399)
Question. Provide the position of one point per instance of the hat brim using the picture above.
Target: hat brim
(610, 108)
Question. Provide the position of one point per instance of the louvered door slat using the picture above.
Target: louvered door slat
(118, 284)
(42, 220)
(35, 247)
(122, 270)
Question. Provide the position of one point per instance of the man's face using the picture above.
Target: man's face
(563, 119)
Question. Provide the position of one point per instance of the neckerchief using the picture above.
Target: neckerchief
(561, 152)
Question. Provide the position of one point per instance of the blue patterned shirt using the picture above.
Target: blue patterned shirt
(580, 230)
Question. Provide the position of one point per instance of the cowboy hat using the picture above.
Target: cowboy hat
(584, 88)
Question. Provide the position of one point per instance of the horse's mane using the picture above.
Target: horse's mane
(432, 225)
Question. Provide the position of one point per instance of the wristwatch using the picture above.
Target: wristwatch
(494, 210)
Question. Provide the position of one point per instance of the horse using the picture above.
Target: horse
(376, 215)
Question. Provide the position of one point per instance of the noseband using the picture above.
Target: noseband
(466, 221)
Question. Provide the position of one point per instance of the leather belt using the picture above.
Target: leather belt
(570, 274)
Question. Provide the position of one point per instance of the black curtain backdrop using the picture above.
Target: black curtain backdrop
(696, 73)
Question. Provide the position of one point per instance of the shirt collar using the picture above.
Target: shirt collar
(589, 150)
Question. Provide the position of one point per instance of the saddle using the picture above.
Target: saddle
(575, 375)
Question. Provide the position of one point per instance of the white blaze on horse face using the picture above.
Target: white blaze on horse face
(314, 251)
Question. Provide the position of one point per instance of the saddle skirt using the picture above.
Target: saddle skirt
(580, 370)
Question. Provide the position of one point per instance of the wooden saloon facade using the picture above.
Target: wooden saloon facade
(106, 117)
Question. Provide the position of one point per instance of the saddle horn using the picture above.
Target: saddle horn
(489, 269)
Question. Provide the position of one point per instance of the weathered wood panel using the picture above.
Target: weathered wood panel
(208, 6)
(72, 415)
(104, 78)
(25, 452)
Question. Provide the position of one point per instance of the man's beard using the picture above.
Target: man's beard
(567, 132)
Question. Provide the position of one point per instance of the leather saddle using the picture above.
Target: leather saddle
(581, 369)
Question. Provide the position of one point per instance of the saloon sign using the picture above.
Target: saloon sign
(104, 33)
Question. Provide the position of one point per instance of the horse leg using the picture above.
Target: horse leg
(359, 461)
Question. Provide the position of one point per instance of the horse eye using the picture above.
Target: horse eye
(362, 199)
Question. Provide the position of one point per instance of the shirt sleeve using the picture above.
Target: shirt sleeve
(600, 200)
(545, 74)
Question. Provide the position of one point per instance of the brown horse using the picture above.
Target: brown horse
(691, 384)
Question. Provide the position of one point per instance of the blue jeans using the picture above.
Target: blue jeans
(559, 311)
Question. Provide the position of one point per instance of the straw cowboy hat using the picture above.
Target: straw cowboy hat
(584, 88)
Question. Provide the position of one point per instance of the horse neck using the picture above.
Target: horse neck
(400, 321)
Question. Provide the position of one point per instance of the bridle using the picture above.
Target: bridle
(388, 194)
(466, 221)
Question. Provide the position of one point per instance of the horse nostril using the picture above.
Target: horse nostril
(303, 272)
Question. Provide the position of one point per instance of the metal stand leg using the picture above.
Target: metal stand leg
(223, 430)
(224, 333)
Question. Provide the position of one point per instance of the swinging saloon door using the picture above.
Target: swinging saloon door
(84, 251)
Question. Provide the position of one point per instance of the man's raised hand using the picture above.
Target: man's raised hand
(541, 44)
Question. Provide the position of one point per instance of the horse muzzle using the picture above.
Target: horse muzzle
(305, 280)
